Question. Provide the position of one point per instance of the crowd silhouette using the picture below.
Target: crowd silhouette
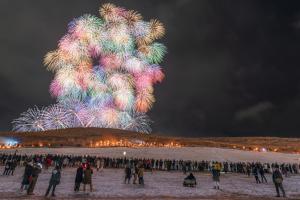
(134, 167)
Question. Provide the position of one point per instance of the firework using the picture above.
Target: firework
(56, 117)
(105, 69)
(31, 120)
(138, 122)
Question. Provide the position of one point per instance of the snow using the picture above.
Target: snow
(184, 153)
(159, 184)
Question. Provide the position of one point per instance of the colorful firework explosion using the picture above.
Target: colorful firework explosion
(104, 69)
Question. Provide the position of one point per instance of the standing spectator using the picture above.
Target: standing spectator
(135, 174)
(127, 174)
(255, 174)
(37, 168)
(27, 176)
(87, 177)
(78, 178)
(248, 169)
(141, 174)
(216, 168)
(262, 174)
(13, 166)
(277, 180)
(48, 162)
(98, 162)
(54, 181)
(7, 167)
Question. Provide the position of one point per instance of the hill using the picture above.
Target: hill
(99, 137)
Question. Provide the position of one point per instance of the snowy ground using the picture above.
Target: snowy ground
(158, 185)
(185, 153)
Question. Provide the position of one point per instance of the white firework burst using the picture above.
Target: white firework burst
(56, 117)
(31, 120)
(74, 107)
(138, 122)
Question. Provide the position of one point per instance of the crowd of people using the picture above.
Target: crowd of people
(134, 167)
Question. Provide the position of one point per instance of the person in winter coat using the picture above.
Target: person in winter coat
(190, 181)
(48, 162)
(135, 174)
(87, 177)
(98, 162)
(7, 168)
(127, 174)
(37, 168)
(141, 175)
(262, 174)
(27, 176)
(277, 180)
(216, 168)
(255, 174)
(78, 178)
(54, 181)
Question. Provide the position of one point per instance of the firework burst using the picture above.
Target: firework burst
(105, 69)
(31, 120)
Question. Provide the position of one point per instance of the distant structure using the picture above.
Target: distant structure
(105, 69)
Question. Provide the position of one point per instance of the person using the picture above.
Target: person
(98, 164)
(78, 178)
(190, 181)
(127, 174)
(13, 166)
(7, 168)
(141, 174)
(248, 169)
(87, 177)
(54, 180)
(37, 168)
(135, 174)
(255, 174)
(26, 176)
(216, 175)
(48, 162)
(262, 174)
(277, 180)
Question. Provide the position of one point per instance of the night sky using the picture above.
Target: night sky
(232, 68)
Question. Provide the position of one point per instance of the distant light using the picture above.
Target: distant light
(263, 149)
(11, 142)
(124, 153)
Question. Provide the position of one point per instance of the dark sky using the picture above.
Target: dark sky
(232, 68)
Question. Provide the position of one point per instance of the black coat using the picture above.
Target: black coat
(79, 175)
(27, 173)
(55, 177)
